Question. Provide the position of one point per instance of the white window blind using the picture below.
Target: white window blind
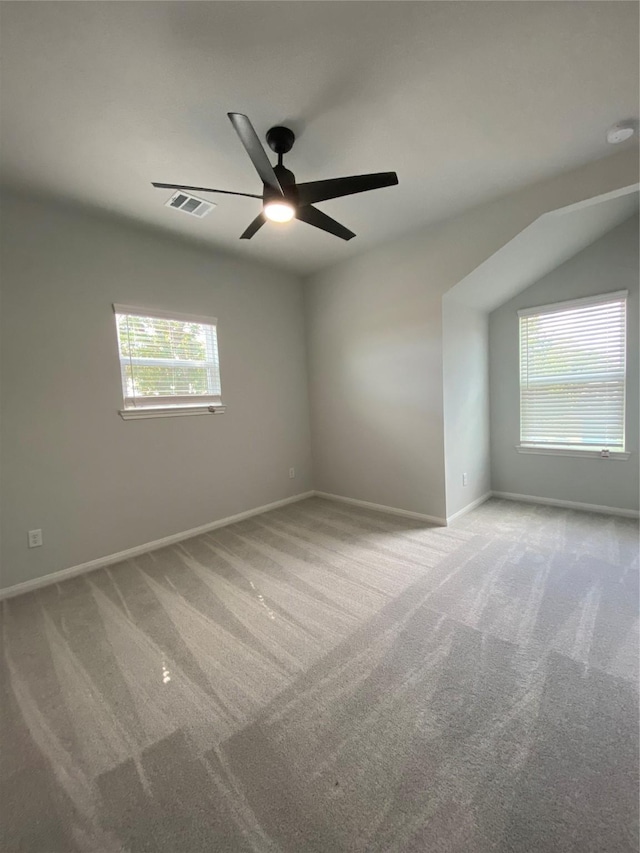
(167, 359)
(572, 374)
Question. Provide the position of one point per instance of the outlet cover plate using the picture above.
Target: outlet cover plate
(35, 538)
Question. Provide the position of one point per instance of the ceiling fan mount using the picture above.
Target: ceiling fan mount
(280, 139)
(282, 197)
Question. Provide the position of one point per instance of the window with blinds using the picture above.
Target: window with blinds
(572, 374)
(167, 360)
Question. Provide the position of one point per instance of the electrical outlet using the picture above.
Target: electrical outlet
(465, 479)
(35, 538)
(292, 473)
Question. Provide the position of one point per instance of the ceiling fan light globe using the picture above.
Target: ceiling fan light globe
(278, 211)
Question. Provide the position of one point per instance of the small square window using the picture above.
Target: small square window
(168, 362)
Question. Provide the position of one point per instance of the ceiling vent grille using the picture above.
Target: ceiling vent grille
(190, 204)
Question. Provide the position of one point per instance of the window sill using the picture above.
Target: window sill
(170, 411)
(566, 451)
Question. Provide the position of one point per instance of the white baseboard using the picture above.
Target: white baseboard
(604, 510)
(469, 507)
(390, 510)
(109, 559)
(136, 551)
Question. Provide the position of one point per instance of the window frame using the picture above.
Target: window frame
(167, 406)
(568, 450)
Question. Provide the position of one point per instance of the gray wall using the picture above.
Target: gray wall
(375, 348)
(375, 366)
(465, 352)
(609, 264)
(94, 483)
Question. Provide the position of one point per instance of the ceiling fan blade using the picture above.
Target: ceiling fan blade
(254, 149)
(257, 223)
(314, 191)
(201, 189)
(317, 218)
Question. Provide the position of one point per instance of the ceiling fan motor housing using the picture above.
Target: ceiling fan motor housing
(288, 183)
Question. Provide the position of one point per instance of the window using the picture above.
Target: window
(168, 363)
(572, 375)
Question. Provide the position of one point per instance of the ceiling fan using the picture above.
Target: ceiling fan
(282, 198)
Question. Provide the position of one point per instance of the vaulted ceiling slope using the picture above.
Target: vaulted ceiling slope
(465, 100)
(550, 241)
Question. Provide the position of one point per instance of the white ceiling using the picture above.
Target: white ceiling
(465, 100)
(546, 244)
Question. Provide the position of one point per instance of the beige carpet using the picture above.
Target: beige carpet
(324, 678)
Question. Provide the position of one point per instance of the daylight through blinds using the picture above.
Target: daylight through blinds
(167, 360)
(572, 374)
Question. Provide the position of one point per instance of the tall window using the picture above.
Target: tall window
(167, 361)
(572, 374)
